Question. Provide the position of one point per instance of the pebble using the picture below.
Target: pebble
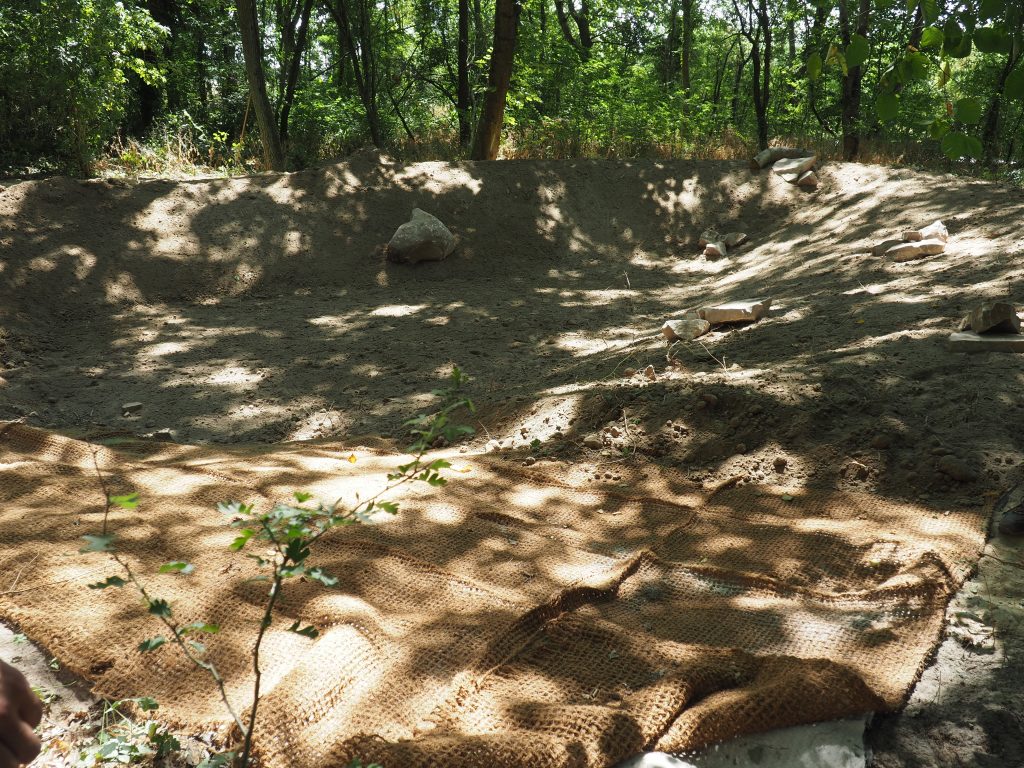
(957, 469)
(593, 440)
(881, 442)
(780, 463)
(128, 409)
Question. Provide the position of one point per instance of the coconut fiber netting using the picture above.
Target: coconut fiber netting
(517, 617)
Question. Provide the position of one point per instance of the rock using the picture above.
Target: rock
(422, 238)
(912, 236)
(935, 231)
(790, 178)
(708, 236)
(881, 442)
(130, 409)
(797, 165)
(957, 469)
(885, 245)
(734, 239)
(627, 372)
(808, 180)
(766, 157)
(972, 341)
(999, 317)
(710, 399)
(716, 250)
(736, 311)
(650, 374)
(911, 251)
(686, 329)
(593, 440)
(780, 464)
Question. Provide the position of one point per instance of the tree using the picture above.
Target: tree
(252, 50)
(488, 132)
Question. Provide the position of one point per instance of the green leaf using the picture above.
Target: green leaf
(129, 501)
(956, 145)
(302, 496)
(1015, 84)
(310, 632)
(957, 43)
(932, 37)
(992, 40)
(888, 106)
(967, 111)
(152, 644)
(938, 129)
(147, 704)
(160, 607)
(857, 51)
(324, 578)
(388, 506)
(991, 9)
(913, 66)
(198, 626)
(218, 761)
(243, 538)
(814, 65)
(931, 11)
(98, 543)
(112, 581)
(177, 567)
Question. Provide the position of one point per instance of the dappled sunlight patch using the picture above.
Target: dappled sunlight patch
(397, 310)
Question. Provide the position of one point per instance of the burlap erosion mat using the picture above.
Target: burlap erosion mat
(514, 618)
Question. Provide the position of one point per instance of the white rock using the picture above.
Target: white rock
(912, 236)
(736, 311)
(766, 157)
(593, 440)
(808, 180)
(733, 239)
(971, 341)
(715, 250)
(790, 178)
(686, 329)
(998, 317)
(935, 231)
(708, 236)
(911, 251)
(797, 165)
(130, 409)
(422, 238)
(885, 245)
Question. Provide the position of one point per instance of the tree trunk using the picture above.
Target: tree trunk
(990, 126)
(488, 133)
(252, 51)
(686, 52)
(363, 62)
(463, 105)
(294, 64)
(852, 81)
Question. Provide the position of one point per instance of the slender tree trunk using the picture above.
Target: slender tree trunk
(673, 44)
(990, 125)
(488, 133)
(363, 62)
(852, 81)
(686, 52)
(252, 51)
(294, 65)
(463, 105)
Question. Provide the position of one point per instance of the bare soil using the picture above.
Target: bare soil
(261, 310)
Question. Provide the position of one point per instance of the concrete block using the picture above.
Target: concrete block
(972, 341)
(736, 311)
(685, 329)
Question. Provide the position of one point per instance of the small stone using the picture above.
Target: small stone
(1000, 317)
(130, 409)
(808, 180)
(710, 399)
(881, 442)
(529, 461)
(957, 469)
(795, 165)
(911, 251)
(684, 330)
(912, 236)
(708, 236)
(780, 464)
(649, 373)
(716, 250)
(627, 372)
(935, 231)
(492, 446)
(856, 470)
(885, 245)
(422, 238)
(593, 440)
(737, 311)
(734, 239)
(971, 341)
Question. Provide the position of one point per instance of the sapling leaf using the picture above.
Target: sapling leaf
(324, 578)
(152, 643)
(198, 626)
(147, 704)
(302, 496)
(96, 543)
(177, 567)
(111, 581)
(160, 607)
(128, 501)
(243, 538)
(310, 631)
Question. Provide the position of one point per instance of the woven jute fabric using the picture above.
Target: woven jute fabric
(517, 617)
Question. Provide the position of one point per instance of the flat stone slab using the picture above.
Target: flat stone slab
(885, 245)
(808, 180)
(797, 165)
(768, 156)
(918, 250)
(736, 311)
(971, 341)
(835, 744)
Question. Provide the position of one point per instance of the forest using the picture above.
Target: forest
(168, 86)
